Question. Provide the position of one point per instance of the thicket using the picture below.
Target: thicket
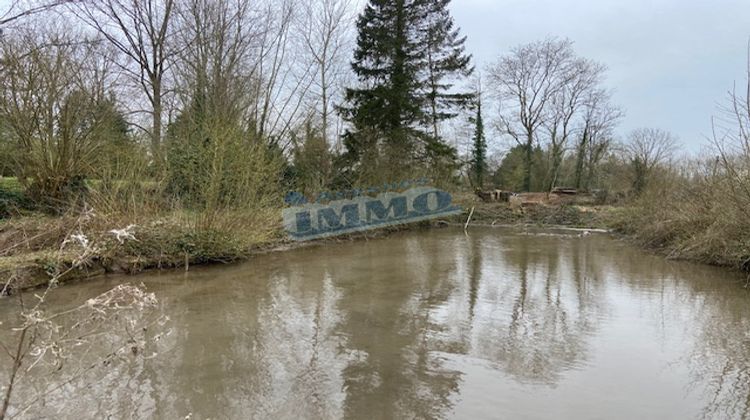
(698, 209)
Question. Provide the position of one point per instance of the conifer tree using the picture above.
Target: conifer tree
(407, 56)
(387, 62)
(479, 150)
(447, 61)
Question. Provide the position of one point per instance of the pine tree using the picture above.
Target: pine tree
(387, 62)
(407, 53)
(446, 61)
(479, 151)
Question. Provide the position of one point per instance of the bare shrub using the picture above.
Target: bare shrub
(50, 349)
(698, 209)
(53, 91)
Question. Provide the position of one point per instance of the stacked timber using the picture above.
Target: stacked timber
(493, 195)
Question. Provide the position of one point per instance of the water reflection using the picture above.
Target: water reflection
(493, 323)
(529, 309)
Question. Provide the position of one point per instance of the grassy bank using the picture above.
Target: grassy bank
(683, 221)
(34, 247)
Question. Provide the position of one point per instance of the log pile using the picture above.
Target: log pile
(493, 195)
(557, 196)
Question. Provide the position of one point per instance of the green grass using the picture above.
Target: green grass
(12, 197)
(10, 184)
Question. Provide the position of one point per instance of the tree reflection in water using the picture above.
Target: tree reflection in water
(381, 329)
(709, 310)
(530, 308)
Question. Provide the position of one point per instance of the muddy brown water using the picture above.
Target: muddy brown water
(492, 324)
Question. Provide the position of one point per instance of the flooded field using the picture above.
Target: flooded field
(495, 323)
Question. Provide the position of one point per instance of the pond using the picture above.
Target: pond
(492, 323)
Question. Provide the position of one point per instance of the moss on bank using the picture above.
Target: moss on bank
(35, 269)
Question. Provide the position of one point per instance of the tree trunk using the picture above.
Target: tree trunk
(527, 163)
(580, 156)
(324, 99)
(556, 151)
(433, 93)
(156, 124)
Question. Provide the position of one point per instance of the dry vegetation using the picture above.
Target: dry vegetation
(700, 210)
(578, 213)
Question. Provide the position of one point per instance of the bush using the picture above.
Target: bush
(55, 112)
(213, 164)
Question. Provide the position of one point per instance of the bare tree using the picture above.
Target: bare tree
(325, 34)
(598, 121)
(141, 30)
(648, 148)
(18, 10)
(526, 81)
(579, 79)
(284, 76)
(274, 52)
(217, 64)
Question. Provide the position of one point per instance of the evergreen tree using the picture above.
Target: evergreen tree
(406, 51)
(387, 61)
(511, 174)
(118, 148)
(311, 159)
(479, 151)
(446, 61)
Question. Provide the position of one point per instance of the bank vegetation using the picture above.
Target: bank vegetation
(697, 208)
(182, 123)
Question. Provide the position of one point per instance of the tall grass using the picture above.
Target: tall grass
(694, 214)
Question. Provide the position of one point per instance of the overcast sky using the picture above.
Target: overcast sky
(670, 61)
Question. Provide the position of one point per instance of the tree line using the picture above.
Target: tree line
(217, 100)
